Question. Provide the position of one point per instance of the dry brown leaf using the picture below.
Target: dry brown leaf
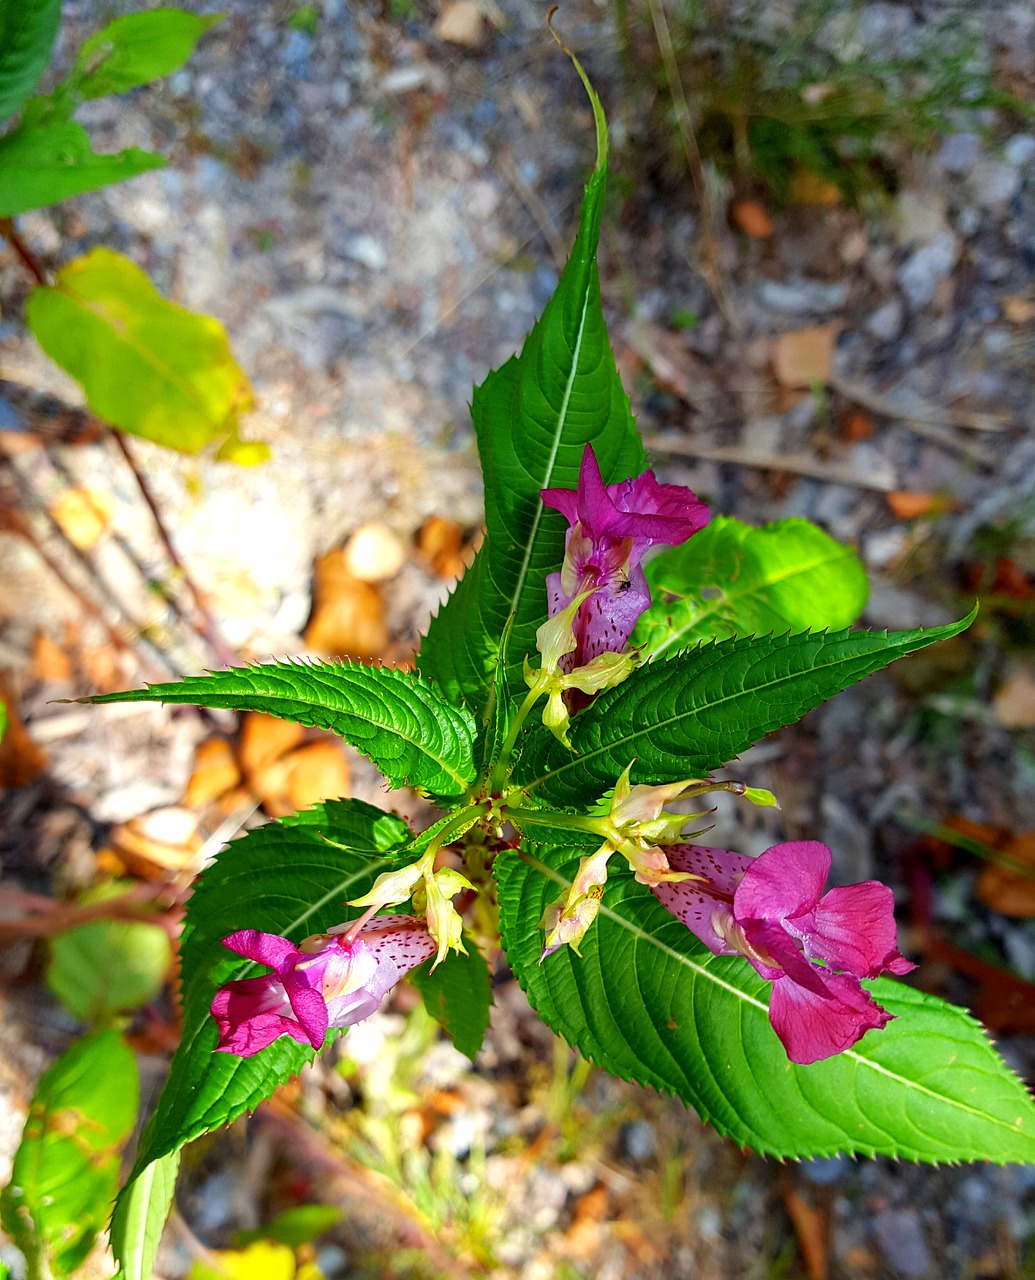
(806, 187)
(1014, 702)
(83, 516)
(21, 759)
(1009, 887)
(460, 22)
(804, 357)
(674, 368)
(911, 506)
(1018, 310)
(100, 664)
(348, 618)
(374, 553)
(856, 425)
(440, 544)
(215, 772)
(264, 739)
(49, 660)
(811, 1229)
(163, 841)
(752, 218)
(318, 771)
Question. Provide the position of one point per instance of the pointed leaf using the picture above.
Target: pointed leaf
(648, 1002)
(139, 1219)
(458, 995)
(397, 718)
(28, 29)
(684, 716)
(533, 418)
(731, 579)
(66, 1168)
(138, 48)
(42, 166)
(147, 366)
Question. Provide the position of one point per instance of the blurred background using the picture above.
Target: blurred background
(817, 265)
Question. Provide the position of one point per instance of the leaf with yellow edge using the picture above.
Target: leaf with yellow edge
(147, 366)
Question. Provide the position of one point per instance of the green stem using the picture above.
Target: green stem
(455, 826)
(599, 826)
(499, 769)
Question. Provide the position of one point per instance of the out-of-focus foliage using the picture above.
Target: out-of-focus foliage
(27, 32)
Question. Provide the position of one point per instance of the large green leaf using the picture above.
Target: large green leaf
(27, 32)
(43, 165)
(731, 579)
(686, 715)
(533, 418)
(148, 366)
(139, 1218)
(292, 878)
(397, 718)
(67, 1166)
(138, 48)
(458, 996)
(648, 1002)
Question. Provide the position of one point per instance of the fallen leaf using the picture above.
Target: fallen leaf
(1018, 310)
(348, 618)
(440, 545)
(215, 772)
(911, 506)
(165, 840)
(101, 666)
(21, 759)
(856, 425)
(803, 357)
(49, 660)
(460, 22)
(752, 218)
(806, 187)
(1011, 579)
(318, 771)
(812, 1231)
(674, 368)
(1014, 702)
(263, 740)
(1009, 886)
(83, 516)
(374, 553)
(1004, 1002)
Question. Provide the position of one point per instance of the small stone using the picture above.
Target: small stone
(924, 270)
(959, 152)
(902, 1240)
(639, 1140)
(994, 183)
(1019, 150)
(885, 324)
(460, 22)
(367, 251)
(920, 217)
(374, 553)
(802, 296)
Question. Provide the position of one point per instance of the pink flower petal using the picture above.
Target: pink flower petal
(783, 882)
(685, 899)
(812, 1027)
(251, 1013)
(404, 940)
(263, 948)
(853, 929)
(310, 1008)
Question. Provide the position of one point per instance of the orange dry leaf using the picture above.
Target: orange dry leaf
(157, 843)
(803, 358)
(21, 759)
(1014, 702)
(911, 506)
(1018, 310)
(856, 425)
(215, 772)
(348, 618)
(83, 515)
(1009, 886)
(263, 740)
(318, 771)
(440, 545)
(100, 664)
(50, 661)
(812, 1230)
(374, 553)
(752, 218)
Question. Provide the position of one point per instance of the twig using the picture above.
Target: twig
(29, 260)
(926, 413)
(207, 625)
(796, 463)
(47, 917)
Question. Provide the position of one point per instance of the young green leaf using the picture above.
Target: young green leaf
(648, 1002)
(533, 418)
(147, 366)
(43, 165)
(28, 29)
(458, 995)
(67, 1166)
(397, 718)
(138, 48)
(686, 715)
(731, 579)
(139, 1218)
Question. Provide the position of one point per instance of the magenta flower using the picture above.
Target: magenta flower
(769, 909)
(611, 528)
(331, 980)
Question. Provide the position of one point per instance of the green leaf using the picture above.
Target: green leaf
(147, 366)
(139, 1218)
(138, 48)
(299, 1225)
(67, 1166)
(686, 715)
(108, 966)
(533, 418)
(291, 878)
(458, 996)
(28, 29)
(397, 718)
(648, 1002)
(731, 579)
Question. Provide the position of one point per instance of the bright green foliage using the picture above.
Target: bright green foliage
(67, 1166)
(147, 366)
(533, 418)
(299, 1225)
(27, 32)
(648, 1002)
(108, 966)
(138, 48)
(139, 1218)
(692, 713)
(731, 579)
(458, 995)
(45, 164)
(397, 718)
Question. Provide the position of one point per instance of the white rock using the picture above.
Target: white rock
(367, 251)
(885, 323)
(994, 183)
(959, 152)
(924, 270)
(1020, 150)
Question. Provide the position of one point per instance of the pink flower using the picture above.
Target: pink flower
(331, 980)
(611, 528)
(769, 909)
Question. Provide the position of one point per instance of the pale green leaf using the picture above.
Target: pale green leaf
(648, 1002)
(43, 165)
(27, 32)
(139, 1218)
(731, 579)
(147, 366)
(138, 48)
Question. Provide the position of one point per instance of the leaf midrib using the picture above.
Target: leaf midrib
(732, 597)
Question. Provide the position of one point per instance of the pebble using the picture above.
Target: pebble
(959, 152)
(925, 269)
(803, 296)
(367, 251)
(902, 1240)
(639, 1140)
(885, 324)
(824, 1172)
(994, 183)
(1020, 150)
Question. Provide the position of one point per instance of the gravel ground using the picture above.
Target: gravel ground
(376, 214)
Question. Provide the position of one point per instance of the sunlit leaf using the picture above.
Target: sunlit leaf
(138, 48)
(139, 1218)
